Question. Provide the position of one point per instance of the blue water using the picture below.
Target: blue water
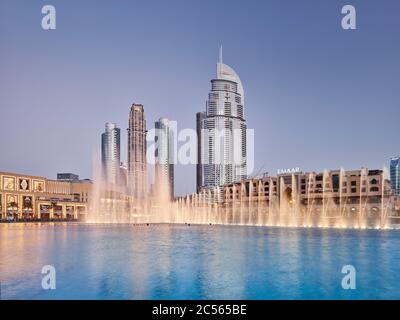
(196, 262)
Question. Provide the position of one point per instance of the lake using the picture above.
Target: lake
(94, 261)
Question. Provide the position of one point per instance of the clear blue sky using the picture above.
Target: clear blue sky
(317, 96)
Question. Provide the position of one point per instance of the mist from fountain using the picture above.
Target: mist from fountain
(286, 205)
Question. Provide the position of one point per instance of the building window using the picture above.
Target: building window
(373, 181)
(335, 182)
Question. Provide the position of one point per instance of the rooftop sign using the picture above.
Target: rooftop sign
(289, 170)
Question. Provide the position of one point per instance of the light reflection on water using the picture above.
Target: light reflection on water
(196, 262)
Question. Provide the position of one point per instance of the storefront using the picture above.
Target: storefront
(31, 198)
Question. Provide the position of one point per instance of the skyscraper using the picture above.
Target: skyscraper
(110, 153)
(199, 178)
(164, 158)
(222, 141)
(137, 162)
(395, 174)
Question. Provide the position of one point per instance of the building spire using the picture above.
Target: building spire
(220, 55)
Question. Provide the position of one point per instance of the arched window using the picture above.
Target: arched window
(373, 181)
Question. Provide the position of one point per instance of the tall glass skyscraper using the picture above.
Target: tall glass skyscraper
(222, 131)
(164, 157)
(137, 148)
(199, 170)
(110, 153)
(395, 174)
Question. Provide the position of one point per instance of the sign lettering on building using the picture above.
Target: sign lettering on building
(289, 170)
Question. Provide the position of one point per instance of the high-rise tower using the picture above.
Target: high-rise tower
(222, 142)
(137, 162)
(110, 153)
(199, 177)
(164, 158)
(395, 174)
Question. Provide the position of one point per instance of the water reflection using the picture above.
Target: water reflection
(196, 262)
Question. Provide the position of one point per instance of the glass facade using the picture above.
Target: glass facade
(110, 153)
(164, 156)
(395, 174)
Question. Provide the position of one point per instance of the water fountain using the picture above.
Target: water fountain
(270, 201)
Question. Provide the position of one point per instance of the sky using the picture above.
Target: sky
(317, 96)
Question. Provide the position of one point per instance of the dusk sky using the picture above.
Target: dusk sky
(316, 95)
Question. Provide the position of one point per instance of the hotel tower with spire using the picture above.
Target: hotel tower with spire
(221, 131)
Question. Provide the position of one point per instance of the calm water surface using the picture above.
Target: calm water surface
(196, 262)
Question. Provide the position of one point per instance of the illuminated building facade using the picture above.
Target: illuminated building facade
(221, 131)
(26, 197)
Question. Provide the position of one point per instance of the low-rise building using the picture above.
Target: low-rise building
(331, 189)
(27, 197)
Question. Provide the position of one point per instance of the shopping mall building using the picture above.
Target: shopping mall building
(26, 197)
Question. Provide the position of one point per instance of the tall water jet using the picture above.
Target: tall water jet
(342, 198)
(282, 203)
(325, 179)
(362, 223)
(310, 199)
(272, 206)
(293, 203)
(384, 199)
(307, 200)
